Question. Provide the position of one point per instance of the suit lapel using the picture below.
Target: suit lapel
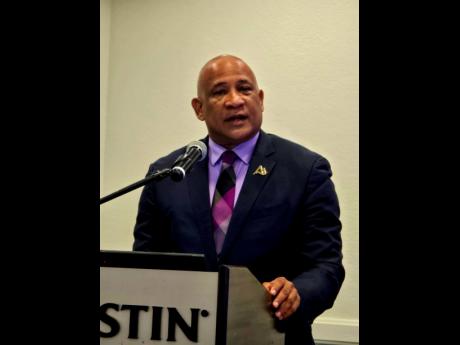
(252, 186)
(198, 187)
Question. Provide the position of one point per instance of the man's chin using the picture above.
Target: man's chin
(240, 136)
(234, 137)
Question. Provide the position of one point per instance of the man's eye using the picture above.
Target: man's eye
(218, 92)
(245, 89)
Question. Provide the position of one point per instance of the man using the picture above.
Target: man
(284, 225)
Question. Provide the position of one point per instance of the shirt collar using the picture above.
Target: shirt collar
(243, 151)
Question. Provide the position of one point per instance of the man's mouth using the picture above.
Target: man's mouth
(236, 118)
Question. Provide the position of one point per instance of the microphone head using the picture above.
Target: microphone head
(201, 146)
(195, 151)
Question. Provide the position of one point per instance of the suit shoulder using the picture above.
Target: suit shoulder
(300, 160)
(292, 150)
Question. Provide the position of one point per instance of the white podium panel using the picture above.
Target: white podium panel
(150, 306)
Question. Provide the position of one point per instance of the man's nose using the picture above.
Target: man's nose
(234, 99)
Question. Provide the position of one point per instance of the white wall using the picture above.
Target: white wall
(305, 56)
(105, 8)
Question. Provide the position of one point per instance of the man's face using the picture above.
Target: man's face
(229, 101)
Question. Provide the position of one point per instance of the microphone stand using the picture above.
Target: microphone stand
(156, 176)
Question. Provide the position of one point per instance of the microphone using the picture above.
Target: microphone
(195, 151)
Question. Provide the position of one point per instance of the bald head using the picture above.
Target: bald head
(229, 100)
(214, 67)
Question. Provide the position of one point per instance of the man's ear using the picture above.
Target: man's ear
(198, 107)
(261, 99)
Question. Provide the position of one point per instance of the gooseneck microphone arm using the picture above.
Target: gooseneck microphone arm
(156, 176)
(194, 152)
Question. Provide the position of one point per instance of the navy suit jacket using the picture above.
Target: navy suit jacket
(285, 223)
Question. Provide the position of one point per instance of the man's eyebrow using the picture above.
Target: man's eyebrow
(222, 83)
(244, 81)
(225, 84)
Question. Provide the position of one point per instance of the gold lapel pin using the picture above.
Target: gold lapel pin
(260, 171)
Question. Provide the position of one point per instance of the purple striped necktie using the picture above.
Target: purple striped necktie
(224, 196)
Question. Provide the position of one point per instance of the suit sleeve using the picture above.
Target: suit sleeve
(321, 249)
(151, 228)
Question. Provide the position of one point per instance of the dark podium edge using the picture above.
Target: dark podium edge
(153, 260)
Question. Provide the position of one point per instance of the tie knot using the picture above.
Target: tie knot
(228, 157)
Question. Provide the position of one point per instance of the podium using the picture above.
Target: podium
(171, 298)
